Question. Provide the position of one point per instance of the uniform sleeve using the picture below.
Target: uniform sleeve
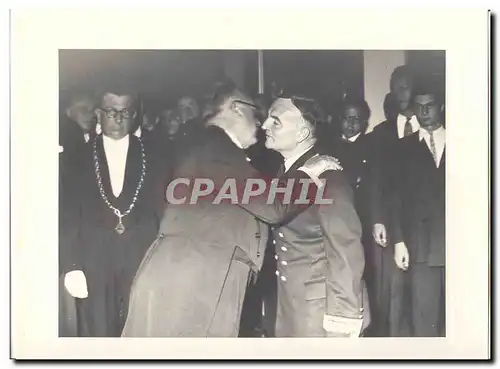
(341, 229)
(216, 165)
(281, 208)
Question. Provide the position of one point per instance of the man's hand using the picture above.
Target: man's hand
(401, 256)
(380, 234)
(321, 163)
(76, 284)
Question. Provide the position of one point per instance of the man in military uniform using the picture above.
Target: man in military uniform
(319, 254)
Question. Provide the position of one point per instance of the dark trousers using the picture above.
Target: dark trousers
(386, 290)
(427, 291)
(256, 321)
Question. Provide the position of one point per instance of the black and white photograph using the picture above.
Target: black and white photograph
(283, 191)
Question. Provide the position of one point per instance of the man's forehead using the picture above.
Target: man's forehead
(425, 99)
(112, 99)
(284, 106)
(402, 81)
(84, 101)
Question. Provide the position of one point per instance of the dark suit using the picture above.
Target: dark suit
(108, 260)
(72, 143)
(417, 218)
(320, 260)
(390, 320)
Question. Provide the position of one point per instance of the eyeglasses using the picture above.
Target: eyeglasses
(258, 118)
(113, 113)
(253, 106)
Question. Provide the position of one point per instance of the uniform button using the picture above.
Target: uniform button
(361, 316)
(361, 309)
(283, 278)
(274, 242)
(364, 160)
(284, 262)
(280, 234)
(283, 248)
(277, 272)
(248, 159)
(276, 257)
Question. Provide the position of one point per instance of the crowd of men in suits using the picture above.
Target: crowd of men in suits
(371, 263)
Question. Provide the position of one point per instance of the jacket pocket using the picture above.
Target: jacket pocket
(315, 290)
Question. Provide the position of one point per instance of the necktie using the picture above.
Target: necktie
(433, 148)
(408, 129)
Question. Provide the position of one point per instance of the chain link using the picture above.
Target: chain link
(97, 169)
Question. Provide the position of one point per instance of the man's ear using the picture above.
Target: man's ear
(303, 134)
(236, 109)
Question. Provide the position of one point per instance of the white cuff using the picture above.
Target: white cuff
(338, 324)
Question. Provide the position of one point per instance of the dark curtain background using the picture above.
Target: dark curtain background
(164, 75)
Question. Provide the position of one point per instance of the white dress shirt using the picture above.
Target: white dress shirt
(401, 122)
(439, 141)
(353, 138)
(116, 154)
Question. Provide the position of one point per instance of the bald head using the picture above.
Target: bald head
(234, 111)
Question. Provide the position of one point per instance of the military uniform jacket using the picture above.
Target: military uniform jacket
(320, 263)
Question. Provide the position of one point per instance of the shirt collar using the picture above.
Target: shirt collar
(293, 158)
(413, 121)
(109, 142)
(353, 138)
(422, 133)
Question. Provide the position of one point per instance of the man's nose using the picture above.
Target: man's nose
(265, 125)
